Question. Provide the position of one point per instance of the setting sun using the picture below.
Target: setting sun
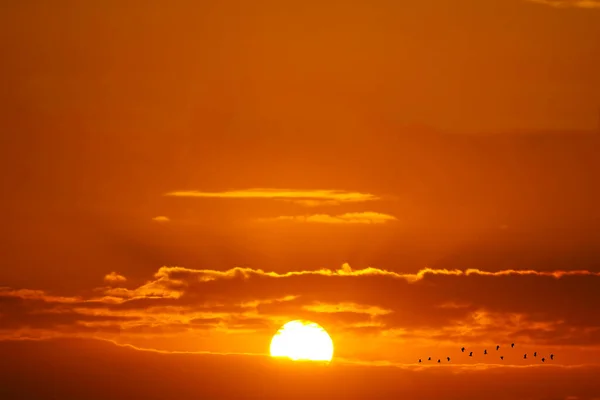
(302, 340)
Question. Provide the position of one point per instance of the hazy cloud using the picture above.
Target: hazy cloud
(347, 218)
(312, 202)
(569, 3)
(237, 376)
(161, 218)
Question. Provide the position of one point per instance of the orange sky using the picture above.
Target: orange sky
(415, 176)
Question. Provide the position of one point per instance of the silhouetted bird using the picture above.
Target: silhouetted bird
(525, 356)
(463, 349)
(502, 357)
(439, 360)
(485, 352)
(535, 353)
(419, 360)
(552, 356)
(497, 347)
(512, 345)
(448, 359)
(543, 359)
(429, 359)
(471, 354)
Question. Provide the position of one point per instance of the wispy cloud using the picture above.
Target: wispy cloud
(569, 3)
(311, 202)
(161, 218)
(305, 197)
(347, 377)
(347, 218)
(347, 307)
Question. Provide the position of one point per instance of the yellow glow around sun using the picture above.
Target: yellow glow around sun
(302, 340)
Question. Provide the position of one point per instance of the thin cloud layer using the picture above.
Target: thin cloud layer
(305, 198)
(440, 306)
(569, 3)
(347, 218)
(311, 202)
(238, 376)
(161, 218)
(301, 196)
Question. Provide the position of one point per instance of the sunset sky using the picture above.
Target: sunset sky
(181, 178)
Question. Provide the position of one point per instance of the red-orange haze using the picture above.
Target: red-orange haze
(180, 179)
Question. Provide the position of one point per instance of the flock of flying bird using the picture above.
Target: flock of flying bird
(535, 354)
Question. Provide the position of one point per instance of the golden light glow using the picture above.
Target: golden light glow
(302, 340)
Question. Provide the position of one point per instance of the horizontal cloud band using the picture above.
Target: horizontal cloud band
(347, 218)
(337, 196)
(569, 3)
(553, 307)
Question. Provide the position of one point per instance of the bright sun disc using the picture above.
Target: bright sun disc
(302, 340)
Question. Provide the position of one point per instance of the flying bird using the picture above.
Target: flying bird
(448, 359)
(525, 356)
(552, 356)
(543, 359)
(463, 349)
(502, 357)
(497, 347)
(429, 359)
(535, 353)
(419, 360)
(485, 352)
(439, 360)
(471, 354)
(512, 345)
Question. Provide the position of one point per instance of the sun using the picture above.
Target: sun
(302, 340)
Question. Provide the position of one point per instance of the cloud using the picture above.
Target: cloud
(237, 376)
(312, 202)
(304, 197)
(18, 311)
(161, 218)
(347, 218)
(113, 277)
(447, 307)
(569, 3)
(347, 307)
